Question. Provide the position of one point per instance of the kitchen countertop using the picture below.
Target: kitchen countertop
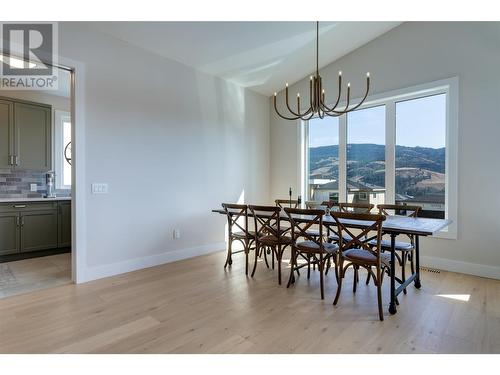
(12, 200)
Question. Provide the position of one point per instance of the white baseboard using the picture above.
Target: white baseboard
(107, 270)
(475, 269)
(99, 272)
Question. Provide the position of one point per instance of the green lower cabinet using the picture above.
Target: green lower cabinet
(27, 227)
(9, 233)
(38, 230)
(64, 219)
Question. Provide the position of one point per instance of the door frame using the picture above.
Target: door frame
(78, 176)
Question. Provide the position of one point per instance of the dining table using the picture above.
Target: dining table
(393, 226)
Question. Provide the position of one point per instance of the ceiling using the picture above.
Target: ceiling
(259, 55)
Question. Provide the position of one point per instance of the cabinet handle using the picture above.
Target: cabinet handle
(11, 159)
(16, 160)
(22, 221)
(19, 206)
(18, 220)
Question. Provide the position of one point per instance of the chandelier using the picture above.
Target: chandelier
(317, 96)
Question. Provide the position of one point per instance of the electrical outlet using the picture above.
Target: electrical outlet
(177, 234)
(33, 187)
(99, 188)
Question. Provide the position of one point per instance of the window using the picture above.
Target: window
(62, 149)
(421, 154)
(398, 147)
(323, 159)
(366, 155)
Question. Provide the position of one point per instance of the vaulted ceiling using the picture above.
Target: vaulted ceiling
(259, 55)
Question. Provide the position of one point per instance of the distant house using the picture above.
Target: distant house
(357, 192)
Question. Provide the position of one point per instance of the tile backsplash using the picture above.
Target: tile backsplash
(16, 184)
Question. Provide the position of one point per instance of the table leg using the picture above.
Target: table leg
(417, 263)
(392, 305)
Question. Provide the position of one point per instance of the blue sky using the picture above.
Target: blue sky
(419, 122)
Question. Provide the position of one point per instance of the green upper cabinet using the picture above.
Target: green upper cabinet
(25, 135)
(32, 136)
(6, 133)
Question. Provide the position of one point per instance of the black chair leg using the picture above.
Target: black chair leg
(403, 265)
(308, 266)
(229, 260)
(355, 280)
(264, 249)
(368, 276)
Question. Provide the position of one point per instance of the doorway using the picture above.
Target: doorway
(37, 207)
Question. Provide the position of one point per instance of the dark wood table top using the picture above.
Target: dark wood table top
(392, 224)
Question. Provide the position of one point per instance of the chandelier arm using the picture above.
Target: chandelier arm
(333, 114)
(326, 108)
(282, 116)
(311, 93)
(348, 99)
(364, 97)
(347, 110)
(288, 105)
(296, 114)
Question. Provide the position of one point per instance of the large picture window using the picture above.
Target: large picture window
(399, 147)
(323, 159)
(366, 156)
(421, 154)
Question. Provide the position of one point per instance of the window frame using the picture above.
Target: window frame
(450, 87)
(60, 117)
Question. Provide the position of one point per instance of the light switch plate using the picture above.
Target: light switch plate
(33, 187)
(177, 234)
(99, 188)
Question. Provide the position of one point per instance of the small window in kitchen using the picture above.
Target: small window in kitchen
(62, 149)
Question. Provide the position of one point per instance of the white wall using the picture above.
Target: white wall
(412, 54)
(172, 144)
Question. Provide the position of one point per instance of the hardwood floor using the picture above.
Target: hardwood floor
(27, 275)
(194, 306)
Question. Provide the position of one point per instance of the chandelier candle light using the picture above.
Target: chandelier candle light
(317, 104)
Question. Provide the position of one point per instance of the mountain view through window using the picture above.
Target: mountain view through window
(323, 184)
(420, 155)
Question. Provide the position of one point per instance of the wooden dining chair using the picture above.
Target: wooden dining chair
(404, 249)
(314, 205)
(352, 208)
(358, 252)
(332, 205)
(282, 203)
(311, 205)
(268, 236)
(307, 246)
(237, 220)
(359, 208)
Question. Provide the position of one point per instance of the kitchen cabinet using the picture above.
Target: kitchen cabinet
(9, 233)
(64, 220)
(32, 140)
(38, 230)
(6, 133)
(25, 135)
(34, 226)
